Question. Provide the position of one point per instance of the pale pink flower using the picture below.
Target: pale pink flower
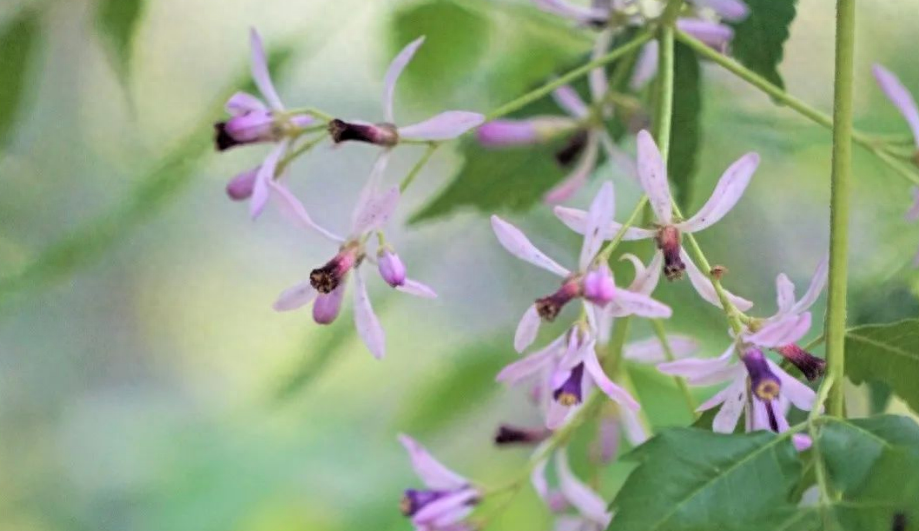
(590, 511)
(444, 126)
(667, 231)
(901, 98)
(447, 498)
(326, 285)
(547, 308)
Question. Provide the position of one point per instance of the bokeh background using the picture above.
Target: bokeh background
(146, 383)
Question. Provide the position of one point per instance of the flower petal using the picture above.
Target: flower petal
(328, 305)
(706, 290)
(646, 278)
(645, 66)
(634, 431)
(261, 189)
(735, 396)
(801, 441)
(527, 329)
(784, 293)
(431, 471)
(818, 282)
(732, 10)
(599, 216)
(260, 72)
(293, 209)
(373, 208)
(446, 511)
(701, 369)
(575, 180)
(711, 33)
(587, 502)
(783, 331)
(652, 173)
(557, 415)
(651, 350)
(538, 475)
(572, 11)
(609, 388)
(243, 102)
(641, 305)
(727, 192)
(295, 297)
(532, 364)
(444, 126)
(392, 75)
(413, 287)
(568, 99)
(913, 213)
(366, 322)
(796, 392)
(900, 97)
(576, 220)
(597, 79)
(516, 243)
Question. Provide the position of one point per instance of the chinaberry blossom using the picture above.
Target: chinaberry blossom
(446, 499)
(444, 126)
(667, 231)
(252, 121)
(592, 281)
(325, 287)
(577, 506)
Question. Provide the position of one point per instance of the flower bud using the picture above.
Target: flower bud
(599, 287)
(669, 242)
(240, 187)
(391, 267)
(513, 435)
(810, 366)
(248, 128)
(327, 306)
(326, 278)
(550, 306)
(379, 134)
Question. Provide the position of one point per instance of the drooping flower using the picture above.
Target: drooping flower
(590, 512)
(447, 498)
(326, 285)
(573, 286)
(252, 121)
(667, 231)
(444, 126)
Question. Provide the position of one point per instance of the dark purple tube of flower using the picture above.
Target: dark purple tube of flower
(763, 382)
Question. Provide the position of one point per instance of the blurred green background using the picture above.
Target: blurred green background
(146, 383)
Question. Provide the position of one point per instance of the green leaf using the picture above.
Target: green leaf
(685, 135)
(691, 479)
(18, 47)
(456, 390)
(456, 39)
(759, 39)
(116, 22)
(889, 353)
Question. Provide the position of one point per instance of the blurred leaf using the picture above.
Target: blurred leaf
(457, 390)
(18, 47)
(685, 132)
(117, 21)
(319, 354)
(456, 39)
(759, 39)
(889, 353)
(691, 479)
(154, 189)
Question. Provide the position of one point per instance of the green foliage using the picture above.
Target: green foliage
(889, 353)
(691, 479)
(117, 22)
(456, 38)
(685, 134)
(759, 39)
(18, 47)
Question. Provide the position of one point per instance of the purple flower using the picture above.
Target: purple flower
(590, 509)
(444, 126)
(326, 284)
(508, 132)
(572, 287)
(447, 498)
(901, 98)
(668, 232)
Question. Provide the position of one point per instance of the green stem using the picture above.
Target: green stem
(661, 334)
(819, 466)
(840, 192)
(416, 169)
(533, 95)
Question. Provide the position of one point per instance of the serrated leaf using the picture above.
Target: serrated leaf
(117, 21)
(889, 353)
(759, 40)
(456, 39)
(18, 46)
(692, 479)
(685, 133)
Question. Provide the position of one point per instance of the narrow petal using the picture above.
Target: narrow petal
(727, 192)
(641, 305)
(711, 33)
(293, 209)
(732, 10)
(609, 388)
(599, 216)
(597, 79)
(376, 212)
(527, 329)
(572, 523)
(575, 180)
(366, 322)
(528, 366)
(587, 502)
(242, 103)
(796, 392)
(446, 511)
(652, 173)
(413, 287)
(516, 243)
(694, 369)
(783, 331)
(557, 415)
(538, 476)
(568, 99)
(261, 190)
(784, 293)
(444, 126)
(818, 282)
(260, 72)
(652, 351)
(434, 474)
(572, 11)
(706, 290)
(371, 188)
(634, 431)
(735, 396)
(576, 220)
(645, 66)
(900, 97)
(604, 322)
(392, 75)
(913, 213)
(295, 297)
(646, 278)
